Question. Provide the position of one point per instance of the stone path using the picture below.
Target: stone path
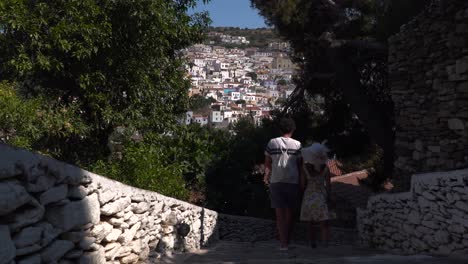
(267, 252)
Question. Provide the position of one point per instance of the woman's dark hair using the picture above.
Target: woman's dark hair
(286, 125)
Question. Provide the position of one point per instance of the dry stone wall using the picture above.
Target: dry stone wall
(428, 76)
(431, 218)
(52, 212)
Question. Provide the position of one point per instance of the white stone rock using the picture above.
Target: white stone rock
(138, 198)
(119, 214)
(74, 254)
(56, 250)
(75, 214)
(462, 206)
(106, 196)
(49, 233)
(169, 229)
(455, 124)
(429, 196)
(33, 259)
(157, 207)
(43, 183)
(12, 196)
(129, 234)
(140, 207)
(87, 242)
(430, 224)
(95, 257)
(167, 242)
(443, 237)
(54, 194)
(196, 225)
(30, 214)
(7, 247)
(132, 258)
(101, 230)
(114, 207)
(116, 221)
(144, 252)
(113, 235)
(456, 228)
(133, 220)
(418, 145)
(27, 237)
(124, 251)
(414, 218)
(128, 215)
(136, 246)
(74, 237)
(77, 192)
(460, 220)
(170, 218)
(435, 149)
(112, 250)
(418, 244)
(28, 250)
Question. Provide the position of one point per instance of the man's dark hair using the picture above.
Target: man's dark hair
(286, 125)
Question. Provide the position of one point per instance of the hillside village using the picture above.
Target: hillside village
(242, 81)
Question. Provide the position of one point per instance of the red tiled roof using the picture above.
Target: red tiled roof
(253, 108)
(348, 188)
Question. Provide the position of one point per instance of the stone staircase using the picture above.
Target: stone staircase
(267, 252)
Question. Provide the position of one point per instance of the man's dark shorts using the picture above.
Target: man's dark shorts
(284, 195)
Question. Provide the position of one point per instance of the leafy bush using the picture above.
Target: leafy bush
(234, 182)
(171, 164)
(33, 123)
(146, 166)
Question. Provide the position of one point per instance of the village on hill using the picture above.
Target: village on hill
(237, 79)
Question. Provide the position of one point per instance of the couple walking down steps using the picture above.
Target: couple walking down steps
(290, 171)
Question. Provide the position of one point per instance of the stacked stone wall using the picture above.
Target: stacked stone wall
(52, 212)
(431, 219)
(428, 76)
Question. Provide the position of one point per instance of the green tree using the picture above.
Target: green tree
(198, 102)
(117, 61)
(241, 101)
(341, 49)
(281, 82)
(252, 75)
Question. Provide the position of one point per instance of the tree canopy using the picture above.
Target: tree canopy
(341, 49)
(117, 62)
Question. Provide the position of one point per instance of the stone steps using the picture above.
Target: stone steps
(267, 252)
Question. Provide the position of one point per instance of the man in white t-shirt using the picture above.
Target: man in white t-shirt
(282, 168)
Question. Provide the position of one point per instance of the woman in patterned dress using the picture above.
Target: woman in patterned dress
(315, 181)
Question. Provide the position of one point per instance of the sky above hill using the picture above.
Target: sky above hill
(232, 13)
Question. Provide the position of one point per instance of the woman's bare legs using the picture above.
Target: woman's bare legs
(325, 229)
(312, 237)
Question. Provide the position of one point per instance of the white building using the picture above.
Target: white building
(200, 119)
(235, 96)
(216, 117)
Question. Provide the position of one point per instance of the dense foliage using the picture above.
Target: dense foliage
(75, 71)
(116, 62)
(173, 165)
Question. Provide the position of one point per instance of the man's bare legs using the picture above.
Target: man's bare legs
(284, 222)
